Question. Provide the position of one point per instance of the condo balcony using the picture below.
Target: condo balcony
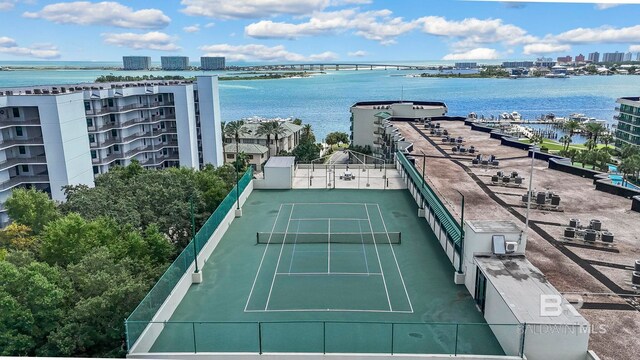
(23, 179)
(130, 107)
(130, 123)
(159, 160)
(11, 162)
(7, 143)
(4, 123)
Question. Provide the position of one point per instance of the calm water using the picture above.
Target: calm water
(324, 100)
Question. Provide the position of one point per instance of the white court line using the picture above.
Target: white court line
(329, 248)
(335, 310)
(327, 203)
(327, 274)
(379, 262)
(262, 260)
(279, 257)
(293, 253)
(396, 259)
(325, 219)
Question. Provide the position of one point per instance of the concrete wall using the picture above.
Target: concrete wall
(542, 342)
(496, 311)
(151, 333)
(186, 125)
(210, 118)
(276, 178)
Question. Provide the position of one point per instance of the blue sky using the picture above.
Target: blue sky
(303, 30)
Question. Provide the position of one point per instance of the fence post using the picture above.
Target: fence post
(260, 338)
(392, 335)
(524, 333)
(455, 351)
(195, 345)
(126, 334)
(324, 337)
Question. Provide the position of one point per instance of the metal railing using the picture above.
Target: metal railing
(325, 337)
(454, 230)
(114, 109)
(22, 161)
(149, 306)
(13, 142)
(23, 179)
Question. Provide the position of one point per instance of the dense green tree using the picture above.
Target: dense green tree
(566, 141)
(16, 236)
(31, 208)
(297, 121)
(606, 139)
(306, 151)
(572, 127)
(336, 137)
(594, 129)
(307, 134)
(278, 130)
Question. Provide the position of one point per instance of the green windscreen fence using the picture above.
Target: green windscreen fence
(146, 310)
(443, 215)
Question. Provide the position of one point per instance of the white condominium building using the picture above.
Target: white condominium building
(174, 62)
(368, 119)
(54, 136)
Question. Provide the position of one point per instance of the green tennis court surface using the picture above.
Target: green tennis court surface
(328, 271)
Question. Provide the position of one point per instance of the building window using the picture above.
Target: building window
(19, 131)
(116, 147)
(93, 154)
(87, 105)
(16, 112)
(25, 168)
(114, 133)
(110, 102)
(22, 150)
(227, 140)
(89, 122)
(96, 170)
(92, 138)
(230, 156)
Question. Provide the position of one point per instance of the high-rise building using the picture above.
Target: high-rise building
(517, 64)
(613, 57)
(638, 56)
(174, 62)
(136, 62)
(628, 129)
(466, 65)
(580, 58)
(212, 63)
(545, 62)
(54, 136)
(594, 57)
(369, 122)
(628, 56)
(564, 59)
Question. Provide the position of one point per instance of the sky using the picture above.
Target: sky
(314, 30)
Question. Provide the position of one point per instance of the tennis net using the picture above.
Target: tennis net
(324, 238)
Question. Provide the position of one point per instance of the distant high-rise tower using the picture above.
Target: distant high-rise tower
(638, 56)
(580, 58)
(136, 62)
(174, 62)
(613, 57)
(628, 56)
(212, 63)
(594, 57)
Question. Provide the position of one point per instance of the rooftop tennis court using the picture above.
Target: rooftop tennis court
(328, 271)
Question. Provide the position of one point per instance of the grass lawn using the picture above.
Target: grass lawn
(557, 146)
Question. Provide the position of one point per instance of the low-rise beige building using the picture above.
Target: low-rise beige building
(257, 155)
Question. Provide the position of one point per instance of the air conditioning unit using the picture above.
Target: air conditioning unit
(511, 247)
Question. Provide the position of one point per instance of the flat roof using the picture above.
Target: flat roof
(522, 285)
(281, 162)
(370, 104)
(493, 226)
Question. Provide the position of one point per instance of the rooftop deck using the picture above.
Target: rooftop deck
(595, 272)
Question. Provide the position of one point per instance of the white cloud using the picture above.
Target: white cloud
(39, 51)
(107, 13)
(210, 25)
(605, 6)
(634, 48)
(373, 25)
(603, 35)
(545, 48)
(251, 9)
(152, 41)
(192, 28)
(7, 5)
(474, 31)
(474, 54)
(358, 53)
(261, 52)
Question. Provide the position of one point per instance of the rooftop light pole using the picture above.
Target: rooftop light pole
(461, 232)
(424, 160)
(193, 235)
(526, 221)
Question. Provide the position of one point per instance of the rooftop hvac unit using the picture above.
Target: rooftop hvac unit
(500, 246)
(511, 247)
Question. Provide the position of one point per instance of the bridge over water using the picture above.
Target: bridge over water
(332, 66)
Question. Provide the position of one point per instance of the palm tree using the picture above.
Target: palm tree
(606, 139)
(224, 139)
(594, 129)
(628, 151)
(307, 134)
(566, 140)
(266, 128)
(590, 144)
(278, 129)
(571, 126)
(573, 154)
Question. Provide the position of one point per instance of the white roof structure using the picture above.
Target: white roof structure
(280, 162)
(522, 285)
